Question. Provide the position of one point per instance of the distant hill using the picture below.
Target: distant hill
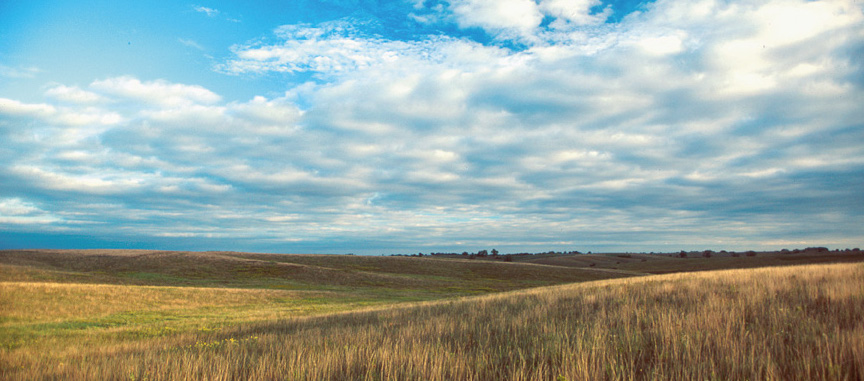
(285, 271)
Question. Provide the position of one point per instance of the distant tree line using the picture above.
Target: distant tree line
(751, 253)
(495, 254)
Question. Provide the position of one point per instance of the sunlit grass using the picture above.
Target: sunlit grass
(801, 322)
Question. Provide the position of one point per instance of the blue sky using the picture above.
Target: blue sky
(440, 125)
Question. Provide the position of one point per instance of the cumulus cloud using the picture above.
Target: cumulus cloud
(73, 95)
(523, 20)
(155, 92)
(576, 12)
(58, 115)
(714, 123)
(520, 17)
(12, 107)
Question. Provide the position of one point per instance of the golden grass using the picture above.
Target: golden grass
(54, 316)
(42, 302)
(782, 323)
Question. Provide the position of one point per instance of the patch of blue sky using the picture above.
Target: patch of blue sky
(621, 8)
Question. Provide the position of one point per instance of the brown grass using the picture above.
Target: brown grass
(671, 263)
(782, 323)
(284, 271)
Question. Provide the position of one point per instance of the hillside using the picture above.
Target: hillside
(98, 297)
(196, 309)
(695, 261)
(283, 271)
(790, 323)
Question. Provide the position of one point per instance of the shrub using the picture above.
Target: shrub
(817, 249)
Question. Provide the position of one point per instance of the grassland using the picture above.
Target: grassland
(58, 301)
(161, 315)
(671, 263)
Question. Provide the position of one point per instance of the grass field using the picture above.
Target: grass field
(160, 315)
(671, 263)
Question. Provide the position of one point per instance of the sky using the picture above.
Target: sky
(404, 126)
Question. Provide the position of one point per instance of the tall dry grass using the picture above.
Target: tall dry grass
(788, 323)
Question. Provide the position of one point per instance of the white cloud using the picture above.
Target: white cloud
(210, 12)
(577, 12)
(20, 72)
(191, 43)
(68, 116)
(97, 183)
(15, 211)
(524, 21)
(335, 49)
(16, 207)
(517, 17)
(16, 108)
(87, 116)
(155, 92)
(74, 95)
(331, 48)
(266, 116)
(661, 45)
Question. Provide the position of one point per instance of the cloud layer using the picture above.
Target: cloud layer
(691, 124)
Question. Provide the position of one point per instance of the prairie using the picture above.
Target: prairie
(671, 263)
(57, 300)
(785, 322)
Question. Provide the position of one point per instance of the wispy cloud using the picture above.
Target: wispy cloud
(210, 12)
(191, 43)
(213, 13)
(332, 49)
(18, 72)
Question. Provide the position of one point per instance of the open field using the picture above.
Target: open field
(282, 271)
(671, 263)
(52, 298)
(143, 315)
